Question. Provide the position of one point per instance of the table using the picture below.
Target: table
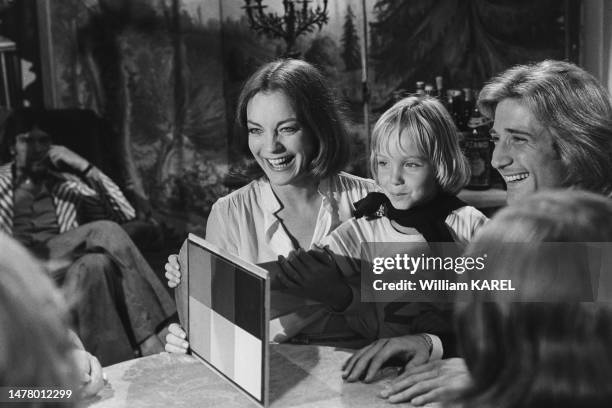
(300, 376)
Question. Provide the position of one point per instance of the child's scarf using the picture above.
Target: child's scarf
(429, 218)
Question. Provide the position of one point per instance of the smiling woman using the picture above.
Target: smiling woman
(291, 135)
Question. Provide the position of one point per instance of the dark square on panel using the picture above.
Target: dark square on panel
(249, 304)
(223, 287)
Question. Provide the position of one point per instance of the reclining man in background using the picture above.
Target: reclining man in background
(65, 211)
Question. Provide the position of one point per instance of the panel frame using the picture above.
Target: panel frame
(255, 271)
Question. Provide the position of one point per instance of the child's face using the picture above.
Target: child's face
(405, 175)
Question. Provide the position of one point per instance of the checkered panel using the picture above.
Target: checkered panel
(226, 319)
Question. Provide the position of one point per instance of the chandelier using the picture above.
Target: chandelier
(298, 18)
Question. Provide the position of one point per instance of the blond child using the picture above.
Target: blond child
(416, 161)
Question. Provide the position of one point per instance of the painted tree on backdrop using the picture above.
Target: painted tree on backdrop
(159, 74)
(351, 53)
(466, 41)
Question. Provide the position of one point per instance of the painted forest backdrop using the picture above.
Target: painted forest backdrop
(167, 73)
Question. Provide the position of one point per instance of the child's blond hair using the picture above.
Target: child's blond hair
(430, 125)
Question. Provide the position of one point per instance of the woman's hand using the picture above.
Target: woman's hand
(413, 350)
(175, 340)
(436, 381)
(173, 271)
(90, 373)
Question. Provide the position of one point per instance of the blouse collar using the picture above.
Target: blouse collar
(271, 205)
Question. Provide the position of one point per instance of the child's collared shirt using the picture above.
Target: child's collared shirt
(345, 242)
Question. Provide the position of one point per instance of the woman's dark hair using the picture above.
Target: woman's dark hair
(316, 108)
(524, 353)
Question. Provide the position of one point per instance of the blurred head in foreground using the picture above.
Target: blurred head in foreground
(541, 346)
(34, 342)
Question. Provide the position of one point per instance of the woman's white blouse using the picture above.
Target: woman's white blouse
(245, 223)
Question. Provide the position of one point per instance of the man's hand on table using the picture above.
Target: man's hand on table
(176, 340)
(412, 350)
(436, 381)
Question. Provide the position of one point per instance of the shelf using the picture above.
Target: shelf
(492, 198)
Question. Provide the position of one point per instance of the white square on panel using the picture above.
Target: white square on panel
(248, 366)
(222, 342)
(199, 328)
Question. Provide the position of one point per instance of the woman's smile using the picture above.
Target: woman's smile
(280, 164)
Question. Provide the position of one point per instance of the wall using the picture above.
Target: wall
(167, 73)
(596, 44)
(155, 70)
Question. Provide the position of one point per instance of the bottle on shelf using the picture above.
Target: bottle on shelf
(420, 88)
(456, 98)
(478, 150)
(449, 103)
(455, 107)
(440, 92)
(429, 90)
(468, 106)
